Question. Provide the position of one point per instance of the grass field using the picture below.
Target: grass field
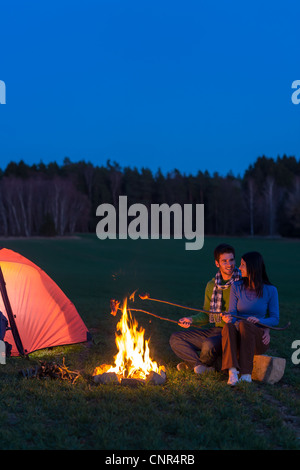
(187, 413)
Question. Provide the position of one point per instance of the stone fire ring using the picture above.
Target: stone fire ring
(112, 378)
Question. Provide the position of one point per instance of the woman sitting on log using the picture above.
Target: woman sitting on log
(256, 299)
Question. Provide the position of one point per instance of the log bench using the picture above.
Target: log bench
(268, 369)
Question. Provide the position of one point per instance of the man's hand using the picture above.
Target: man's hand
(185, 322)
(226, 318)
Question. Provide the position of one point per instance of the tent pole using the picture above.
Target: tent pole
(10, 315)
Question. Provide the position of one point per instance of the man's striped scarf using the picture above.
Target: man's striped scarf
(216, 298)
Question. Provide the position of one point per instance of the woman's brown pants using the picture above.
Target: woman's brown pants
(239, 345)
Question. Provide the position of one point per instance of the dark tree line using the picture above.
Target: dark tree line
(57, 200)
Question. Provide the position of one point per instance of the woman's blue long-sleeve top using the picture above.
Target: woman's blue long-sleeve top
(245, 303)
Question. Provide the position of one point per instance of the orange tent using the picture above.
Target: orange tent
(39, 314)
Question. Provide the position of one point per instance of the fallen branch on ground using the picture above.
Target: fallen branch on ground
(51, 370)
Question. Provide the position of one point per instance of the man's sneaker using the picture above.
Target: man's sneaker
(200, 369)
(182, 366)
(233, 377)
(245, 378)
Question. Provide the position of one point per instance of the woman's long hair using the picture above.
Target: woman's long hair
(256, 270)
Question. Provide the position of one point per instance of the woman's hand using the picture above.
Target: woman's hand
(253, 319)
(266, 336)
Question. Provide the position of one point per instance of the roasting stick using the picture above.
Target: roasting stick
(196, 326)
(115, 306)
(150, 313)
(146, 297)
(276, 328)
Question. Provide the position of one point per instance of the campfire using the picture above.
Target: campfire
(133, 364)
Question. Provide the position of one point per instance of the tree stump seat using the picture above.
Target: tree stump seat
(268, 369)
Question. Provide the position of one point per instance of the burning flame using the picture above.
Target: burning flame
(133, 358)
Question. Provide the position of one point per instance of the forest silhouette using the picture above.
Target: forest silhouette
(49, 200)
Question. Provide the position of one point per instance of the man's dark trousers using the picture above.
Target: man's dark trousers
(198, 346)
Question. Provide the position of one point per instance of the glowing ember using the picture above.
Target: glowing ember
(133, 358)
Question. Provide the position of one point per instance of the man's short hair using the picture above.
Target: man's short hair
(223, 248)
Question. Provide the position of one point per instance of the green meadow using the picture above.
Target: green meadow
(188, 412)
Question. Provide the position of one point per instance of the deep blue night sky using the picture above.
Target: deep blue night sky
(159, 84)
